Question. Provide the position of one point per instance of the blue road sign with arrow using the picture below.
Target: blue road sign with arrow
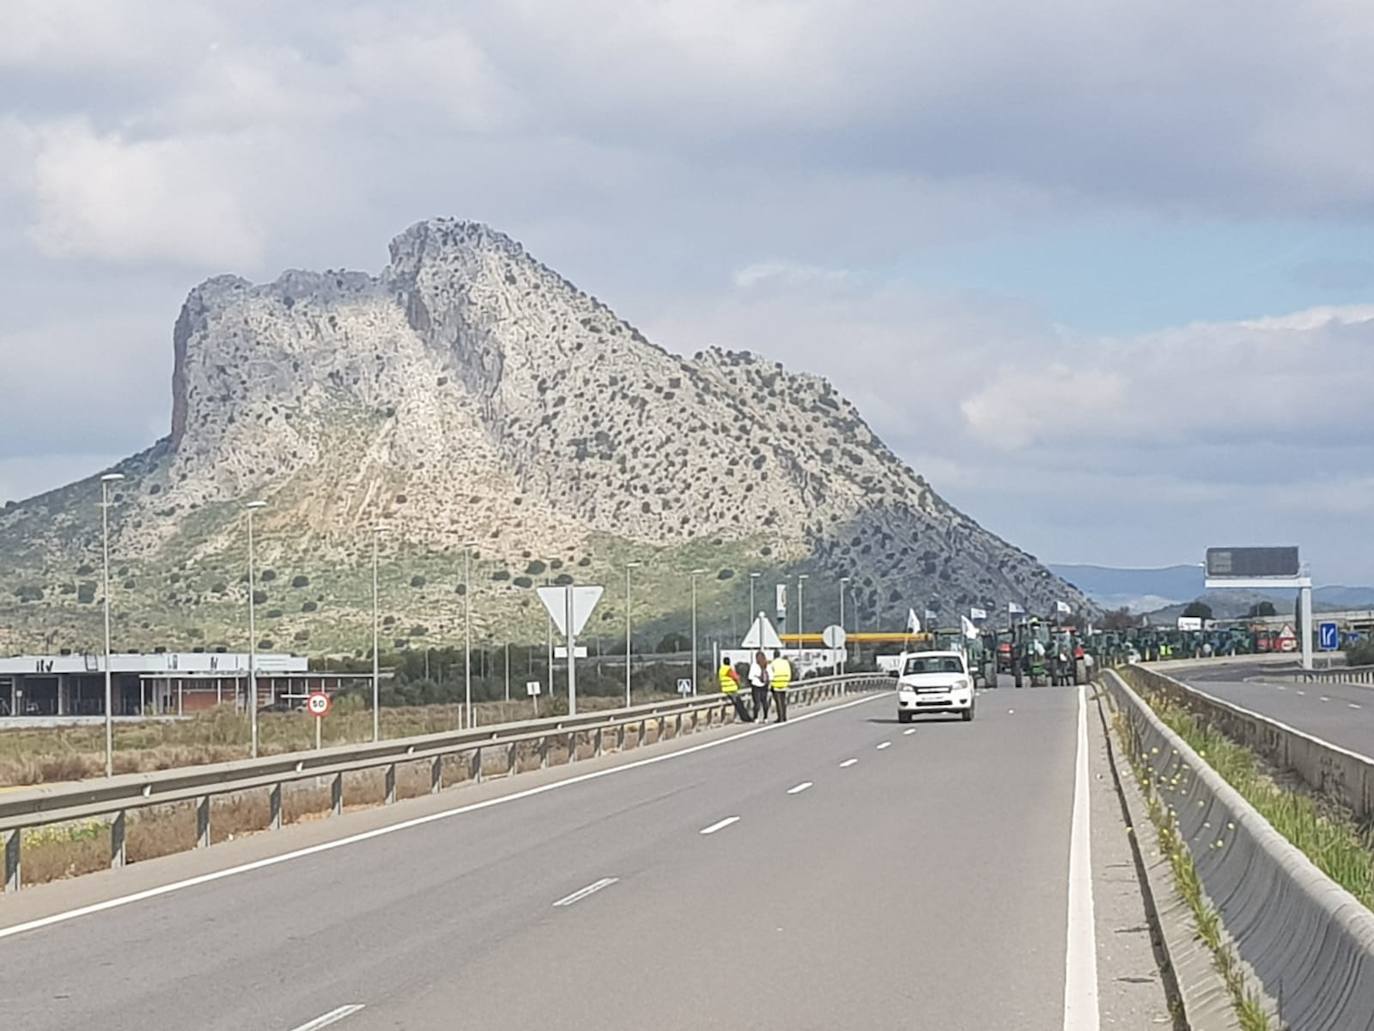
(1329, 636)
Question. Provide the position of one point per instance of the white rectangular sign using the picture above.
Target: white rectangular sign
(781, 600)
(561, 651)
(533, 688)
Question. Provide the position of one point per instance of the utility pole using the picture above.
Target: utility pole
(105, 482)
(376, 659)
(628, 637)
(252, 506)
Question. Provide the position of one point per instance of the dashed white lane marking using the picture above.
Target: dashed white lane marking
(906, 732)
(885, 744)
(582, 893)
(1080, 956)
(420, 821)
(332, 1017)
(1325, 699)
(1281, 687)
(1302, 692)
(848, 762)
(720, 825)
(799, 788)
(1354, 705)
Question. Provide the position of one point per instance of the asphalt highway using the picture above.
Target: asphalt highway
(1342, 714)
(841, 870)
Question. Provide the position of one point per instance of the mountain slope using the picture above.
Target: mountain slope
(468, 393)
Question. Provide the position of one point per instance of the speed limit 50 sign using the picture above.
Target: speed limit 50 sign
(318, 703)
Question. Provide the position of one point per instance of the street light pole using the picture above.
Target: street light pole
(467, 633)
(753, 615)
(376, 660)
(844, 582)
(105, 482)
(252, 507)
(695, 574)
(628, 637)
(801, 582)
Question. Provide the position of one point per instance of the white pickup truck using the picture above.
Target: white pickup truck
(934, 682)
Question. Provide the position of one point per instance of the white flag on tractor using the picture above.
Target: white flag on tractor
(978, 613)
(1064, 607)
(966, 624)
(913, 624)
(1015, 609)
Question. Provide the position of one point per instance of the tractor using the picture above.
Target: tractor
(1030, 646)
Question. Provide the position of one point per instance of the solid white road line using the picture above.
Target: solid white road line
(720, 825)
(332, 1017)
(885, 744)
(582, 893)
(848, 762)
(799, 788)
(906, 732)
(419, 821)
(1080, 955)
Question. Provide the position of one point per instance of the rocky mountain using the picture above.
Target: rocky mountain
(470, 394)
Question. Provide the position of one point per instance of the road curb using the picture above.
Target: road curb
(1191, 977)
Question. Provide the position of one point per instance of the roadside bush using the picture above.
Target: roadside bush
(1361, 654)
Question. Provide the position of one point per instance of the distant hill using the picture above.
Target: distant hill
(1163, 592)
(468, 393)
(1140, 590)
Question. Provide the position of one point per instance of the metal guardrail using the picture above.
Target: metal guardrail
(1308, 940)
(1336, 675)
(114, 797)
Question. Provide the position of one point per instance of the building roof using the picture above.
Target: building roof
(227, 663)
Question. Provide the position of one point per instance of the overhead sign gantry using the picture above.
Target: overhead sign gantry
(1265, 569)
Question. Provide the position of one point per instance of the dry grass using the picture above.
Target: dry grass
(47, 756)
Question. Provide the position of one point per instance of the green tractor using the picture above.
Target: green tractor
(1030, 647)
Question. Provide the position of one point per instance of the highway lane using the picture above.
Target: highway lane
(1342, 714)
(921, 885)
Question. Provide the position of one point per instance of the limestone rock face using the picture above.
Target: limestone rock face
(470, 394)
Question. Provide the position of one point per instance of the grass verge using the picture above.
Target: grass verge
(50, 755)
(1249, 1006)
(1331, 838)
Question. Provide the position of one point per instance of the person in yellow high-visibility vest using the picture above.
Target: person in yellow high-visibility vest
(779, 676)
(728, 678)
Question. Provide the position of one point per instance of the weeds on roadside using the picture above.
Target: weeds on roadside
(1248, 1005)
(1338, 846)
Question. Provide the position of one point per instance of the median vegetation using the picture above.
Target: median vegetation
(1326, 834)
(1248, 1005)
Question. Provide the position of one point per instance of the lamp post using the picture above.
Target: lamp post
(628, 638)
(376, 660)
(801, 582)
(252, 506)
(844, 582)
(753, 615)
(695, 573)
(105, 482)
(467, 632)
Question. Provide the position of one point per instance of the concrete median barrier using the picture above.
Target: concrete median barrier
(1307, 940)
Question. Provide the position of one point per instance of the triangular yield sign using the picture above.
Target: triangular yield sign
(584, 599)
(761, 635)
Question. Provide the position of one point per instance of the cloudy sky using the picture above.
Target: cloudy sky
(1103, 272)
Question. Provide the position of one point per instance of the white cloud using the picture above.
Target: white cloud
(129, 200)
(788, 274)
